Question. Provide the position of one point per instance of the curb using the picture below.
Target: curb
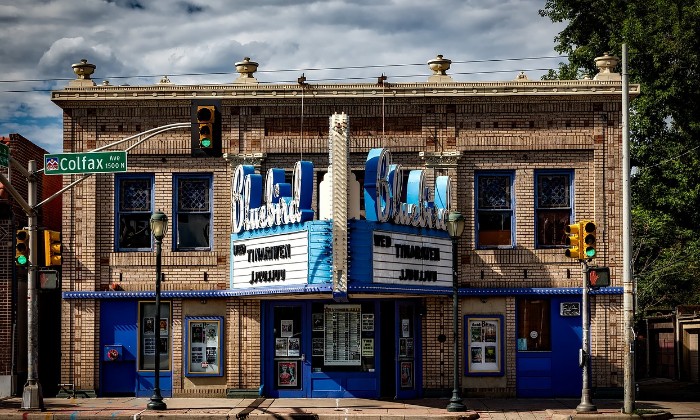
(609, 415)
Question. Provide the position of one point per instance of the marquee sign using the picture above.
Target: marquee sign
(278, 260)
(413, 260)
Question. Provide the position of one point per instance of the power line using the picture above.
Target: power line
(363, 67)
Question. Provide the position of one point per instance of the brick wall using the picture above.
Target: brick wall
(13, 217)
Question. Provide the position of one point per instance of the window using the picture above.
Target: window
(534, 324)
(134, 208)
(552, 207)
(150, 334)
(193, 212)
(494, 210)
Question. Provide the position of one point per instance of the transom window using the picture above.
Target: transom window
(193, 212)
(494, 210)
(134, 208)
(553, 207)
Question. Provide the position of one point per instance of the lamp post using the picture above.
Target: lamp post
(455, 227)
(159, 225)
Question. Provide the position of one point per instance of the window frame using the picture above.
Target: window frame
(175, 242)
(536, 208)
(118, 179)
(511, 176)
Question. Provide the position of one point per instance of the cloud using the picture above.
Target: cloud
(127, 38)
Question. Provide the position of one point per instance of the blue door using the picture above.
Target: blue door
(548, 337)
(408, 366)
(289, 374)
(118, 337)
(566, 332)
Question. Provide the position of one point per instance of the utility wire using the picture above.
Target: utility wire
(493, 60)
(339, 79)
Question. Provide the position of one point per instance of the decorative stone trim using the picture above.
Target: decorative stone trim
(441, 159)
(255, 159)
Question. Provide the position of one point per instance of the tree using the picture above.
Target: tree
(663, 38)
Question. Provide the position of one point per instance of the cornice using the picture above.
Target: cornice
(545, 88)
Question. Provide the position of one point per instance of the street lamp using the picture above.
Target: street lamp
(455, 227)
(159, 225)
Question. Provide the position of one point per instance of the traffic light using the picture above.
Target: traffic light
(598, 277)
(206, 128)
(588, 243)
(206, 115)
(22, 248)
(573, 241)
(52, 248)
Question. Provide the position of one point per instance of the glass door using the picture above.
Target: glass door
(289, 373)
(407, 367)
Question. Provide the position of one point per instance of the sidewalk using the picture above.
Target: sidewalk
(335, 409)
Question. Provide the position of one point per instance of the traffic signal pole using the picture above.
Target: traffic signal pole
(585, 406)
(32, 398)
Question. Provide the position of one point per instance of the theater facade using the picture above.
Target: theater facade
(311, 257)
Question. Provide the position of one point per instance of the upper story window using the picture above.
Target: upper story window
(553, 207)
(193, 211)
(494, 210)
(134, 208)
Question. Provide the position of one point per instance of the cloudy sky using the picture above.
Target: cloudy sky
(197, 41)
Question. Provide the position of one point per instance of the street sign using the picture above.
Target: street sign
(84, 163)
(4, 155)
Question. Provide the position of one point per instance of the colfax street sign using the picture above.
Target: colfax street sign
(85, 163)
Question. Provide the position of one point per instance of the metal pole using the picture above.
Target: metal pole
(156, 402)
(627, 279)
(32, 398)
(456, 403)
(586, 405)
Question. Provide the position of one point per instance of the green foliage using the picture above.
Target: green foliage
(663, 38)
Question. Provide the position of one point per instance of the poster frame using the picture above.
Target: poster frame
(478, 342)
(219, 321)
(295, 381)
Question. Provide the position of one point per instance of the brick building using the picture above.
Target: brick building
(265, 304)
(13, 292)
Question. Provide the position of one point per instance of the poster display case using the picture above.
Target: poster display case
(147, 335)
(204, 345)
(343, 337)
(484, 345)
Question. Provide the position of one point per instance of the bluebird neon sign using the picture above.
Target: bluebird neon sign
(383, 190)
(284, 203)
